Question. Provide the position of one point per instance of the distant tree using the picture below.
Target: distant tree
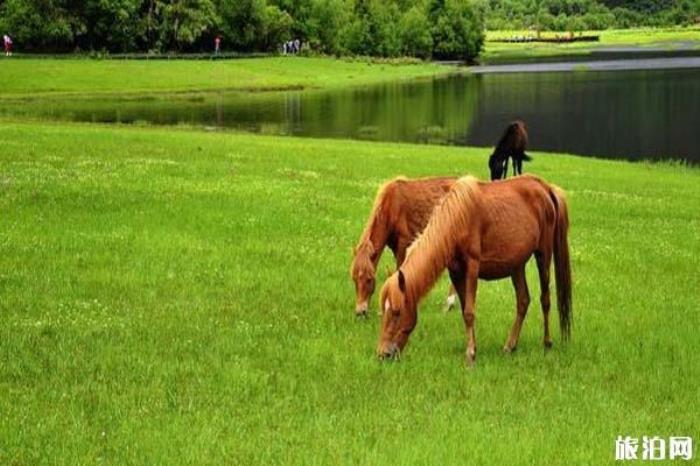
(277, 27)
(683, 12)
(182, 22)
(42, 24)
(575, 23)
(415, 33)
(383, 19)
(546, 21)
(357, 38)
(457, 31)
(326, 23)
(300, 11)
(242, 23)
(110, 25)
(646, 6)
(626, 18)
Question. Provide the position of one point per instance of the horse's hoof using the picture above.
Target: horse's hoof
(471, 359)
(361, 315)
(547, 345)
(509, 349)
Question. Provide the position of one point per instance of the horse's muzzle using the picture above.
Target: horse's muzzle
(361, 310)
(388, 350)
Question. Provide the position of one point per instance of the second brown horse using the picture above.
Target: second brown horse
(400, 212)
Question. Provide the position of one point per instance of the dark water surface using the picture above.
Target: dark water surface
(641, 114)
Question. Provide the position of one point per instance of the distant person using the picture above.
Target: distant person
(289, 47)
(297, 45)
(7, 42)
(217, 45)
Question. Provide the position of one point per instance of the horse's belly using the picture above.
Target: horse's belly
(497, 266)
(495, 270)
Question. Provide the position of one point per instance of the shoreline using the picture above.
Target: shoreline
(624, 64)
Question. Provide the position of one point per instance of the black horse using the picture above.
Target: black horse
(512, 144)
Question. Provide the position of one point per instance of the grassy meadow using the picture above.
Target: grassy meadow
(175, 296)
(667, 39)
(29, 77)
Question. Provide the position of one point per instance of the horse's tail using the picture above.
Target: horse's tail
(562, 264)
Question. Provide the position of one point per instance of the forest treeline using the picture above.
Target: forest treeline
(448, 29)
(387, 28)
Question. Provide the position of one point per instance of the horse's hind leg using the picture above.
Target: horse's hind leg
(544, 260)
(522, 296)
(505, 168)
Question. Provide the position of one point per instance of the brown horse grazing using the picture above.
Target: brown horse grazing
(488, 231)
(401, 210)
(512, 144)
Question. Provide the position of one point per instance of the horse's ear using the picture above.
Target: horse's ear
(402, 282)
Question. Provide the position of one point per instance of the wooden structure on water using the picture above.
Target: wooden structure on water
(559, 39)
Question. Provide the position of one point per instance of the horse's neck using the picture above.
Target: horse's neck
(378, 236)
(435, 247)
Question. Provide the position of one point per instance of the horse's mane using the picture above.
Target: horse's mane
(364, 248)
(427, 257)
(377, 211)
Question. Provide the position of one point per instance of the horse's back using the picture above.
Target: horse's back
(516, 214)
(416, 199)
(514, 138)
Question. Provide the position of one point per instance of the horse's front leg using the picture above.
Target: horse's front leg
(402, 244)
(469, 307)
(451, 297)
(505, 169)
(458, 283)
(522, 296)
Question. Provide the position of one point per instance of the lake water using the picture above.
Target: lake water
(642, 114)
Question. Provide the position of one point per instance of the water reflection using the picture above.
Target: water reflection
(624, 114)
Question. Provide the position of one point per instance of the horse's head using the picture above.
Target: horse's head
(496, 166)
(399, 317)
(363, 273)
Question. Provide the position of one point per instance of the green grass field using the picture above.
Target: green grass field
(60, 77)
(667, 39)
(172, 296)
